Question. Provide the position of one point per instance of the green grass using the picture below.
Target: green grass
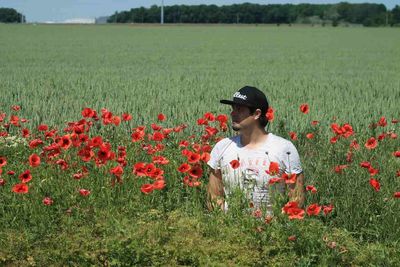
(344, 74)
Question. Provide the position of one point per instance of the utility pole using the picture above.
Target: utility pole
(162, 11)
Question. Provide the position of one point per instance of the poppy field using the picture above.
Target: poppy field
(105, 132)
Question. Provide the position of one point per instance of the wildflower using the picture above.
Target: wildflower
(304, 108)
(43, 127)
(311, 188)
(159, 184)
(184, 168)
(3, 161)
(270, 114)
(371, 143)
(235, 164)
(34, 160)
(327, 209)
(293, 136)
(20, 188)
(313, 209)
(273, 168)
(25, 176)
(161, 117)
(196, 171)
(84, 192)
(47, 201)
(310, 136)
(147, 188)
(375, 184)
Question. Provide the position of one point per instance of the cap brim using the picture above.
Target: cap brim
(234, 102)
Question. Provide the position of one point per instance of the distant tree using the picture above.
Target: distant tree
(395, 16)
(10, 15)
(366, 14)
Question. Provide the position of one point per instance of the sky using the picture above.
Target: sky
(61, 10)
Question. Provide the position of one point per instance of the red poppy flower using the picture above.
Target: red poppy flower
(25, 133)
(147, 188)
(211, 130)
(274, 180)
(116, 120)
(375, 184)
(289, 178)
(327, 209)
(26, 176)
(161, 117)
(310, 136)
(3, 161)
(222, 118)
(84, 192)
(313, 209)
(137, 136)
(273, 168)
(88, 113)
(270, 114)
(304, 108)
(314, 123)
(205, 157)
(139, 169)
(47, 201)
(293, 136)
(157, 136)
(292, 238)
(43, 127)
(65, 142)
(193, 158)
(15, 107)
(196, 171)
(296, 213)
(371, 143)
(340, 168)
(334, 139)
(117, 171)
(382, 122)
(209, 116)
(2, 182)
(159, 184)
(235, 164)
(14, 120)
(365, 164)
(311, 188)
(34, 160)
(160, 160)
(149, 169)
(396, 154)
(11, 172)
(289, 205)
(34, 143)
(396, 194)
(126, 117)
(191, 181)
(398, 173)
(184, 168)
(183, 143)
(20, 189)
(373, 171)
(354, 145)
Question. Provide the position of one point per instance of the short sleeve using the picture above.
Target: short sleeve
(291, 159)
(218, 151)
(215, 156)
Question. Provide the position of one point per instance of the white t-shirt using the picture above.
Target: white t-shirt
(251, 175)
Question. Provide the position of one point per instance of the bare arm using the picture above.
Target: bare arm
(296, 192)
(215, 190)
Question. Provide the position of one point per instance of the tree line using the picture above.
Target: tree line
(366, 14)
(10, 15)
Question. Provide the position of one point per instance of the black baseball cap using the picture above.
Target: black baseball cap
(249, 96)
